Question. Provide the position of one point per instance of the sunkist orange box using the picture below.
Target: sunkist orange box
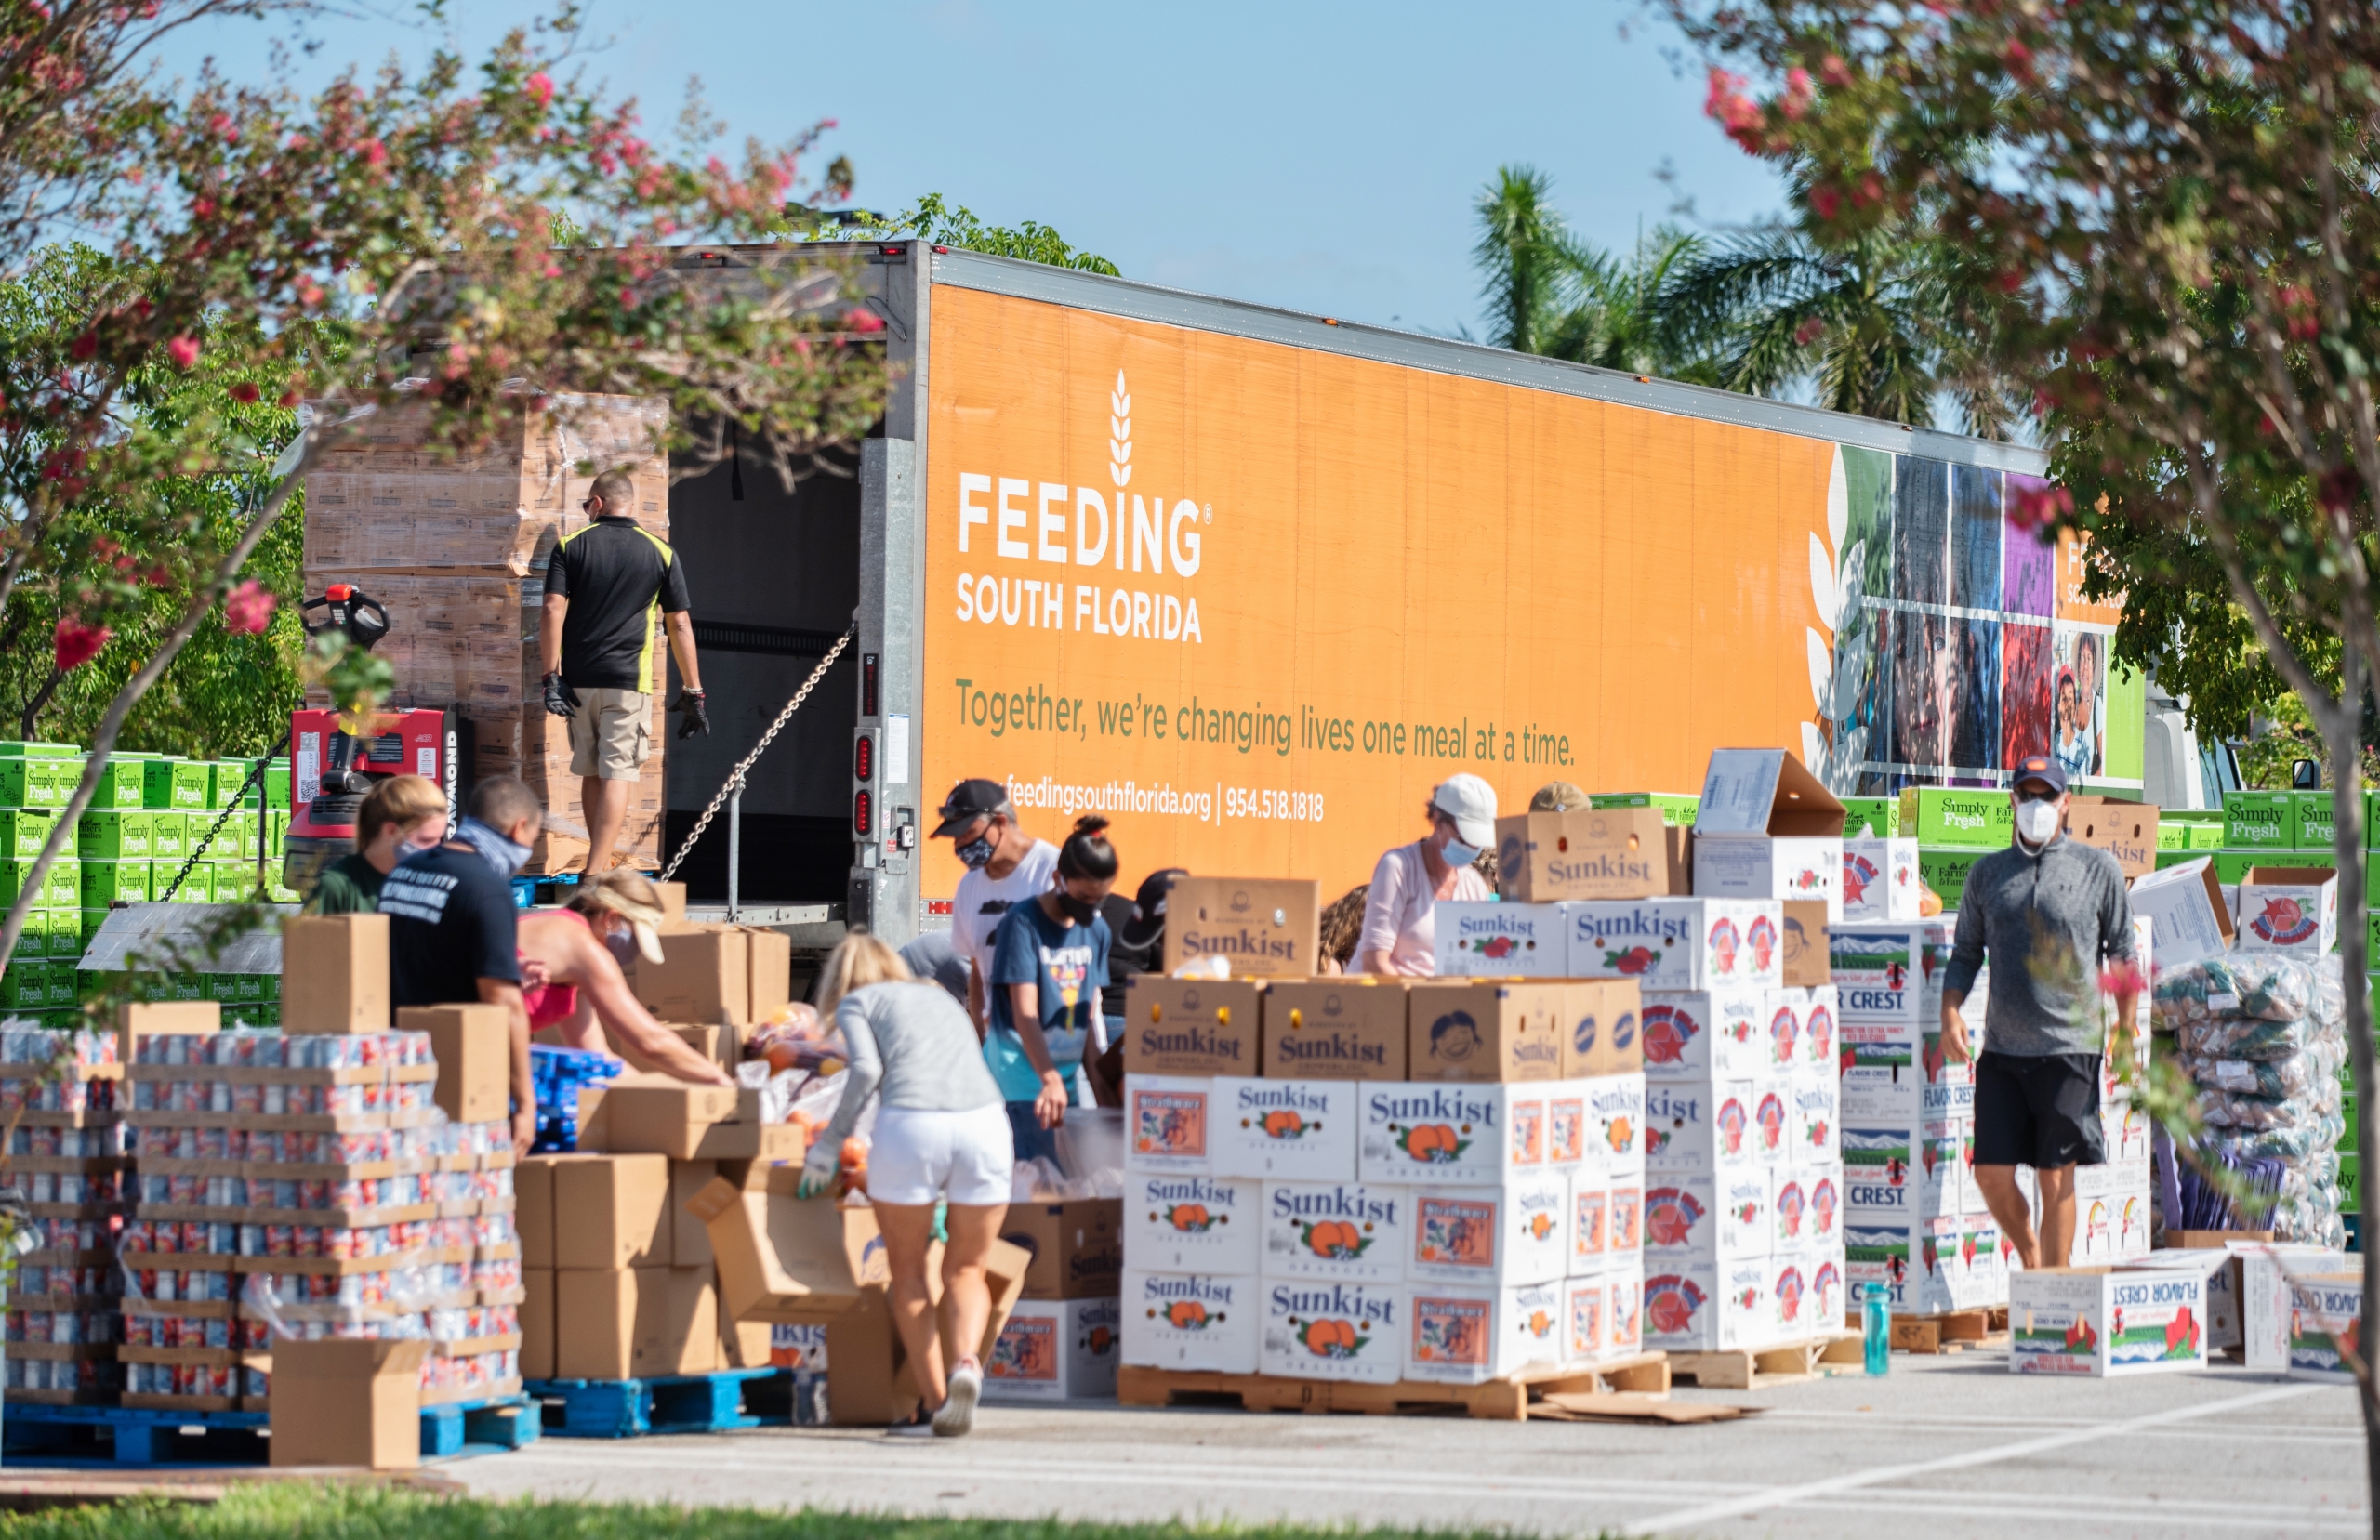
(1335, 1029)
(1485, 1030)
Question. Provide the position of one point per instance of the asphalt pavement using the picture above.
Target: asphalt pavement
(1940, 1448)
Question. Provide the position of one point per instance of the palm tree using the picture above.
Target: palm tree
(1881, 321)
(1551, 293)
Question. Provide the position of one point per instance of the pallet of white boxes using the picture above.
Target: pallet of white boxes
(1351, 1194)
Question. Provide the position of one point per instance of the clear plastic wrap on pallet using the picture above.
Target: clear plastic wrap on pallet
(2239, 1111)
(192, 1379)
(69, 1328)
(85, 1049)
(215, 1332)
(2298, 1078)
(274, 1050)
(2268, 985)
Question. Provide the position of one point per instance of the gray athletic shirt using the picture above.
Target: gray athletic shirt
(914, 1042)
(2045, 920)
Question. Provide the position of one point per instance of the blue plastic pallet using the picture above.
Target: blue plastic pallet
(629, 1408)
(71, 1435)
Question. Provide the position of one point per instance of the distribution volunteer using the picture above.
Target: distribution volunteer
(605, 586)
(454, 934)
(1005, 866)
(942, 1136)
(1559, 796)
(1048, 957)
(932, 954)
(1400, 913)
(2047, 913)
(579, 951)
(402, 814)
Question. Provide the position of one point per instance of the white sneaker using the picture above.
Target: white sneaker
(957, 1414)
(919, 1425)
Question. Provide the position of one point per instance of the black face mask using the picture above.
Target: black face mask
(1078, 910)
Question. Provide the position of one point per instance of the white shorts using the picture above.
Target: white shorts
(920, 1157)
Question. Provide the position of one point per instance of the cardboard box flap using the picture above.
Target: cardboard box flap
(787, 1258)
(2186, 910)
(348, 1358)
(2285, 877)
(2125, 829)
(1765, 791)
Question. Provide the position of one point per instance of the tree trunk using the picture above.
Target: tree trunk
(2343, 734)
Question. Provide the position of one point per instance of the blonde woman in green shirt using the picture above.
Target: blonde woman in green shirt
(402, 814)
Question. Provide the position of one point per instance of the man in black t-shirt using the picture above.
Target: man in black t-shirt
(606, 588)
(453, 929)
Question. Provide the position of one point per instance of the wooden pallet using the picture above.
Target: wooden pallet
(1505, 1399)
(1758, 1368)
(1948, 1331)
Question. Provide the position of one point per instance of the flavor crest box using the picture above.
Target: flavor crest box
(1915, 1170)
(2106, 1323)
(1176, 1223)
(1888, 977)
(1191, 1321)
(1703, 1035)
(1169, 1124)
(1679, 945)
(1335, 1231)
(1293, 1129)
(1340, 1330)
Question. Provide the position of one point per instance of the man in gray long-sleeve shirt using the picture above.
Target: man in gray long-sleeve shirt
(2048, 911)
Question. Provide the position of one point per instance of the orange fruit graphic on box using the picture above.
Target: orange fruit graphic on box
(1186, 1314)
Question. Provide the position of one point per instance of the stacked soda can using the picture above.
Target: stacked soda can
(66, 1161)
(1438, 1181)
(303, 1186)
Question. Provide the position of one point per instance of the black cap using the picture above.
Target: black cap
(2041, 767)
(1149, 907)
(968, 801)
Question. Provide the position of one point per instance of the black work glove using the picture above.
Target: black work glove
(697, 718)
(561, 699)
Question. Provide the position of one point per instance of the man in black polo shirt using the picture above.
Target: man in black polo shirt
(453, 931)
(605, 588)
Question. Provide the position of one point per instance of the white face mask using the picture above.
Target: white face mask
(2036, 821)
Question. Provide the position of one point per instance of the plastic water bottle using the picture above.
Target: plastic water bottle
(1876, 1330)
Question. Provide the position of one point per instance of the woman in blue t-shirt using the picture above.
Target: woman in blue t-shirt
(1047, 959)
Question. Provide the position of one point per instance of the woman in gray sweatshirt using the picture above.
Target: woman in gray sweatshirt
(942, 1135)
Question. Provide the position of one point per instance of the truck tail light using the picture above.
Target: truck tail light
(864, 759)
(864, 814)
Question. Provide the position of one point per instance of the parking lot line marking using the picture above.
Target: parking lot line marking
(1781, 1496)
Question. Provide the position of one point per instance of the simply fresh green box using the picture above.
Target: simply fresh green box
(24, 831)
(224, 778)
(1945, 869)
(169, 835)
(1677, 809)
(1879, 815)
(2259, 821)
(60, 889)
(122, 782)
(2313, 820)
(32, 782)
(176, 784)
(26, 985)
(1977, 816)
(115, 834)
(106, 883)
(16, 748)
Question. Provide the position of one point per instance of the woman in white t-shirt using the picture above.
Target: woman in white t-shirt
(1400, 914)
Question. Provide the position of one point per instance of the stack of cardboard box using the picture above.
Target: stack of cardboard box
(66, 1162)
(619, 1276)
(1061, 1342)
(312, 1167)
(456, 549)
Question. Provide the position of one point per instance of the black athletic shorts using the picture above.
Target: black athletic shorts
(2038, 1110)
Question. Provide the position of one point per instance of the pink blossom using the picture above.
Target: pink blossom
(183, 350)
(1834, 71)
(1809, 330)
(1825, 202)
(243, 391)
(77, 643)
(2019, 59)
(2123, 978)
(542, 89)
(2038, 507)
(862, 320)
(375, 152)
(248, 608)
(1797, 93)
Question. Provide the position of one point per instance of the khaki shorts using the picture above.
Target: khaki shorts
(611, 734)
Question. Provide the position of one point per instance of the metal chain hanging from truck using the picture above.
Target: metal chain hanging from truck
(198, 847)
(736, 776)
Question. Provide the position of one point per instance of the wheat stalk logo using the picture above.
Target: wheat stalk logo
(1119, 424)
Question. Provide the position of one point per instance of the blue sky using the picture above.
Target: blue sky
(1319, 156)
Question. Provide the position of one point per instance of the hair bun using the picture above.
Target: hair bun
(1090, 825)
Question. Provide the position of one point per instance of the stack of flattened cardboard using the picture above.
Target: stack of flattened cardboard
(457, 549)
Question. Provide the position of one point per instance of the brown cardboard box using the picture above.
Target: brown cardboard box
(537, 1324)
(145, 1019)
(1806, 962)
(1765, 792)
(1485, 1030)
(1598, 1027)
(1334, 1029)
(612, 1211)
(2126, 830)
(705, 975)
(474, 1046)
(1190, 1026)
(688, 1237)
(783, 1258)
(335, 973)
(770, 969)
(1077, 1247)
(1595, 853)
(354, 1403)
(635, 1322)
(743, 1344)
(673, 903)
(533, 1203)
(1265, 926)
(690, 1123)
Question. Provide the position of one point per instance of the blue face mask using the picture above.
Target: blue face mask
(1456, 853)
(976, 854)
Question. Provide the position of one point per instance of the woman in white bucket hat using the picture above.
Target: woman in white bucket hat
(1400, 914)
